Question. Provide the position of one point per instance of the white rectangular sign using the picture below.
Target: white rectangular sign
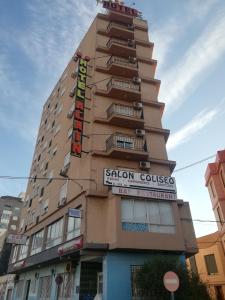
(74, 213)
(142, 181)
(17, 239)
(143, 193)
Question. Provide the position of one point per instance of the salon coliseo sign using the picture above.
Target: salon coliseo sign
(144, 181)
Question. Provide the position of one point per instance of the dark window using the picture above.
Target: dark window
(42, 191)
(50, 143)
(193, 264)
(53, 124)
(48, 105)
(42, 139)
(30, 202)
(56, 105)
(46, 121)
(211, 264)
(46, 166)
(35, 178)
(137, 292)
(58, 89)
(39, 157)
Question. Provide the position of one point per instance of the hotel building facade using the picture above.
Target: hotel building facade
(101, 200)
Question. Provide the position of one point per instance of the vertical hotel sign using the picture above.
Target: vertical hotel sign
(76, 146)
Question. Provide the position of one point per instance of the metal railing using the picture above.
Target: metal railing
(127, 43)
(123, 141)
(122, 110)
(123, 84)
(122, 61)
(120, 25)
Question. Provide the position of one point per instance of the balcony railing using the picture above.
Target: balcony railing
(122, 61)
(127, 43)
(122, 110)
(119, 25)
(122, 84)
(126, 142)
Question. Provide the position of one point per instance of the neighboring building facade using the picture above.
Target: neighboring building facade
(10, 209)
(101, 149)
(209, 263)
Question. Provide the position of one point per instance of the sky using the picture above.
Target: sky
(38, 39)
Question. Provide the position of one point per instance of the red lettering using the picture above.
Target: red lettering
(79, 105)
(77, 136)
(79, 115)
(78, 125)
(76, 148)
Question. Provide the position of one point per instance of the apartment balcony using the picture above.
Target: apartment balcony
(120, 30)
(121, 89)
(125, 116)
(121, 47)
(120, 145)
(127, 67)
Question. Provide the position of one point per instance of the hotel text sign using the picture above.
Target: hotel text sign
(129, 179)
(143, 193)
(76, 146)
(120, 8)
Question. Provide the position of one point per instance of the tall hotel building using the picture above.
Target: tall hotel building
(101, 200)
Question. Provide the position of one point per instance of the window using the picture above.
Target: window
(24, 250)
(39, 157)
(137, 292)
(37, 242)
(50, 176)
(210, 264)
(63, 192)
(15, 252)
(46, 121)
(59, 109)
(13, 227)
(69, 133)
(54, 151)
(42, 139)
(15, 218)
(42, 192)
(222, 177)
(124, 142)
(50, 143)
(57, 129)
(62, 92)
(219, 215)
(147, 216)
(44, 207)
(45, 145)
(30, 202)
(67, 159)
(54, 234)
(56, 105)
(46, 166)
(45, 287)
(53, 124)
(212, 189)
(73, 228)
(193, 264)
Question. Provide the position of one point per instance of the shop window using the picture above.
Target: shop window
(73, 228)
(54, 234)
(37, 242)
(147, 216)
(45, 287)
(210, 263)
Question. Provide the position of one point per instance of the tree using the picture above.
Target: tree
(149, 280)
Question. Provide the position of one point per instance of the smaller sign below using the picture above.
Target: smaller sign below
(17, 239)
(74, 213)
(171, 281)
(143, 193)
(70, 246)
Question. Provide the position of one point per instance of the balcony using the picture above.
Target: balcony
(121, 89)
(127, 67)
(120, 30)
(121, 47)
(120, 145)
(125, 116)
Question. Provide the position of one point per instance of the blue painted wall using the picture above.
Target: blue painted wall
(117, 273)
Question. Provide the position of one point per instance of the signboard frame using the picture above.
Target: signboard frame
(17, 239)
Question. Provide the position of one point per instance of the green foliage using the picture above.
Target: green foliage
(149, 280)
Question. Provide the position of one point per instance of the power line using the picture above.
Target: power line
(195, 163)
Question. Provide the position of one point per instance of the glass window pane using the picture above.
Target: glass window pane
(153, 212)
(140, 212)
(127, 210)
(166, 214)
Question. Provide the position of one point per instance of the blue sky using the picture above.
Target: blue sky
(39, 37)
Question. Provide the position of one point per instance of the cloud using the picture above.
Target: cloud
(165, 35)
(185, 76)
(197, 123)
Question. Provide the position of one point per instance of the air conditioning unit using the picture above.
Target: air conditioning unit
(130, 43)
(62, 202)
(132, 59)
(140, 132)
(145, 165)
(70, 114)
(137, 80)
(137, 105)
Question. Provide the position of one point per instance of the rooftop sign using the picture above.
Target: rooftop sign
(144, 181)
(115, 6)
